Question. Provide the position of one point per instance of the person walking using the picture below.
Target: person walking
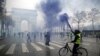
(29, 38)
(47, 38)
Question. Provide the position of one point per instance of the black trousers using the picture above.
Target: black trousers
(47, 43)
(75, 49)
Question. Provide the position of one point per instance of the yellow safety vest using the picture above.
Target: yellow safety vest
(78, 41)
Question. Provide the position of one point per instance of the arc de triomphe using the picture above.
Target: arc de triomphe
(18, 15)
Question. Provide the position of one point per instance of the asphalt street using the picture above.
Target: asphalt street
(20, 46)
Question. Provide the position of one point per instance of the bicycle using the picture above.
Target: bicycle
(80, 51)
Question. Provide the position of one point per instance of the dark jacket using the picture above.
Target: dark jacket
(47, 37)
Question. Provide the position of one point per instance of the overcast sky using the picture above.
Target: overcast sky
(24, 4)
(68, 6)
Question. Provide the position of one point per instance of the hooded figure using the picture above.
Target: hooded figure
(47, 38)
(76, 41)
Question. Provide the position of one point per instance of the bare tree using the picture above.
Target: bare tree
(2, 14)
(8, 22)
(80, 17)
(92, 14)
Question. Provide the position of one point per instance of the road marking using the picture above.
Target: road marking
(70, 43)
(24, 48)
(2, 46)
(56, 45)
(58, 42)
(36, 47)
(85, 43)
(63, 44)
(11, 49)
(45, 45)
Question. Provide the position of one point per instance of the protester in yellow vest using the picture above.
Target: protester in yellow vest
(76, 42)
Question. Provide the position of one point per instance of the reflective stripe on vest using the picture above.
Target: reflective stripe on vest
(78, 41)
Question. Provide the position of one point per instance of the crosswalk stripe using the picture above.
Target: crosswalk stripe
(57, 42)
(24, 48)
(70, 44)
(45, 45)
(63, 44)
(36, 47)
(11, 49)
(85, 43)
(56, 45)
(2, 46)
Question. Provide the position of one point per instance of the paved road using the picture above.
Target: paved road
(18, 47)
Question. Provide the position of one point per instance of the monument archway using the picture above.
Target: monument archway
(25, 26)
(24, 19)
